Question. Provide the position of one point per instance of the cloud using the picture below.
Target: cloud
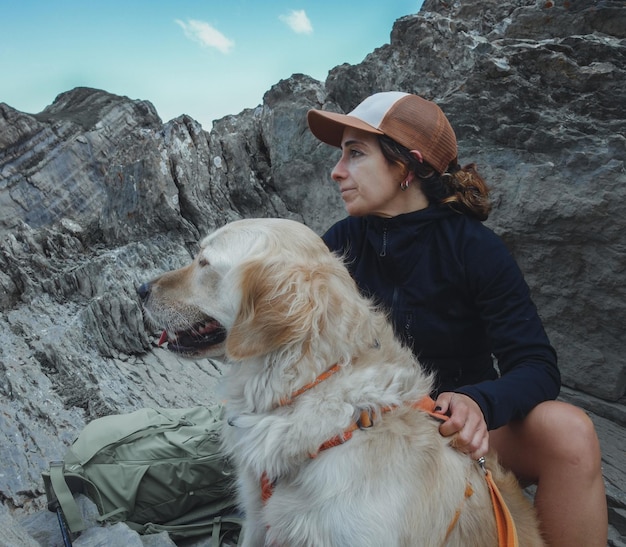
(298, 21)
(206, 35)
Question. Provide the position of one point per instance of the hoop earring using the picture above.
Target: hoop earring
(404, 185)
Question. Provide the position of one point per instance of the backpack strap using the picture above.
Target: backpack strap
(219, 527)
(61, 485)
(61, 492)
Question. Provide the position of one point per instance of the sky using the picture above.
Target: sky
(207, 59)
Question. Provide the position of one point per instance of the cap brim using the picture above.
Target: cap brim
(328, 126)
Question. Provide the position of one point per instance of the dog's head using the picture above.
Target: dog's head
(256, 286)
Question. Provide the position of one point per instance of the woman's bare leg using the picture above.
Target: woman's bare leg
(556, 446)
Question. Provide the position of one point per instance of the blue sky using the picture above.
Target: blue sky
(204, 58)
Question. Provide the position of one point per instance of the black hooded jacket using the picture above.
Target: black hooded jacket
(458, 298)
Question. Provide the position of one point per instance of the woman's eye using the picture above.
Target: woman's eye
(355, 153)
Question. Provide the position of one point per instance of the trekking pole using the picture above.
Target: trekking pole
(67, 540)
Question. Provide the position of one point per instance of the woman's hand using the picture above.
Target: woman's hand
(466, 421)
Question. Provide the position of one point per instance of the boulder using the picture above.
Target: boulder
(98, 194)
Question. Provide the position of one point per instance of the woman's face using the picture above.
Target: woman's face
(369, 185)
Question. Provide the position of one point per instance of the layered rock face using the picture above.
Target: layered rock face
(97, 195)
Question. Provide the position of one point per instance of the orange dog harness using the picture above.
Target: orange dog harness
(505, 527)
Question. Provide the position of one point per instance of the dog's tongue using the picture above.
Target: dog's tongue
(163, 338)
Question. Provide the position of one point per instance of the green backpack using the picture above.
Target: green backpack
(154, 469)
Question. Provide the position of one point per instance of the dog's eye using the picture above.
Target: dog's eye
(203, 262)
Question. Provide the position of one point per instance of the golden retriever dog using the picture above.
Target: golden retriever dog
(322, 424)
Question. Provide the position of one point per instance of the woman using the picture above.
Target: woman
(414, 241)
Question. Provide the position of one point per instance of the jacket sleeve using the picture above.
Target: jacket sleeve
(526, 360)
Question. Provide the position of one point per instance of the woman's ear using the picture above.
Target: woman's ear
(417, 155)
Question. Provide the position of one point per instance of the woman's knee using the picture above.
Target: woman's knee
(566, 435)
(554, 440)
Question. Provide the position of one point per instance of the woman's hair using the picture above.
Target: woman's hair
(460, 188)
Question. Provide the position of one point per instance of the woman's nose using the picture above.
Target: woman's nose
(338, 173)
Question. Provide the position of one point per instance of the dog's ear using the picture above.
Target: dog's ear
(283, 305)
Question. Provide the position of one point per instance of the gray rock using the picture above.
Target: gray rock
(12, 533)
(97, 195)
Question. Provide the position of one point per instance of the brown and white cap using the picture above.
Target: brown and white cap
(408, 119)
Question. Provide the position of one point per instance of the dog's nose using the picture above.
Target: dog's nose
(144, 291)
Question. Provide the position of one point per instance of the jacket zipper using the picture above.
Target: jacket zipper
(383, 251)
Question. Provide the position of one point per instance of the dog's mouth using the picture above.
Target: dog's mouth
(200, 338)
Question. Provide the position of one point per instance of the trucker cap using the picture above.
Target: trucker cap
(408, 119)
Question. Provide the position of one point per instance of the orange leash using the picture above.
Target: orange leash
(507, 532)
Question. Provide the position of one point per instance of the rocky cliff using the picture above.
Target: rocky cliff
(97, 194)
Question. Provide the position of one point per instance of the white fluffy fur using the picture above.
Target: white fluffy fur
(291, 311)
